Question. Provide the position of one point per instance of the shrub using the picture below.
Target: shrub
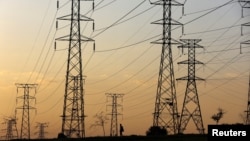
(156, 131)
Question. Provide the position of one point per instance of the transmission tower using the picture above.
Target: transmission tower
(41, 130)
(191, 106)
(245, 4)
(11, 130)
(166, 112)
(114, 112)
(73, 107)
(248, 105)
(26, 98)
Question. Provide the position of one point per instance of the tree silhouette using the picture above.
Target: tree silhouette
(217, 117)
(101, 121)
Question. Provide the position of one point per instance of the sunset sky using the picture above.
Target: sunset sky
(124, 61)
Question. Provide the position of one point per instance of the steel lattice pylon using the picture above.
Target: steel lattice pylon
(114, 112)
(245, 4)
(191, 106)
(166, 112)
(11, 130)
(248, 104)
(41, 130)
(73, 107)
(26, 97)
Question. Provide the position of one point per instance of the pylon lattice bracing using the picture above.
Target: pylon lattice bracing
(73, 107)
(26, 97)
(191, 106)
(245, 4)
(166, 112)
(41, 130)
(248, 104)
(11, 129)
(114, 112)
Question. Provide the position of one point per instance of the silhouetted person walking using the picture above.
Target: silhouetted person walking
(121, 129)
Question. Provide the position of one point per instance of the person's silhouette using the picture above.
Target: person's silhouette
(121, 129)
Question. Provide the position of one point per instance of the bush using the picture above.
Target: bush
(61, 136)
(156, 131)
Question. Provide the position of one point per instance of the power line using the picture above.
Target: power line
(204, 10)
(150, 38)
(119, 19)
(128, 78)
(117, 72)
(40, 55)
(39, 31)
(143, 12)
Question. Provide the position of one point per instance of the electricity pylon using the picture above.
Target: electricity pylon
(248, 104)
(26, 98)
(41, 130)
(11, 130)
(73, 107)
(245, 4)
(191, 106)
(114, 112)
(166, 111)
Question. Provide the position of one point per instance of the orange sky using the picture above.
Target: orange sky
(124, 62)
